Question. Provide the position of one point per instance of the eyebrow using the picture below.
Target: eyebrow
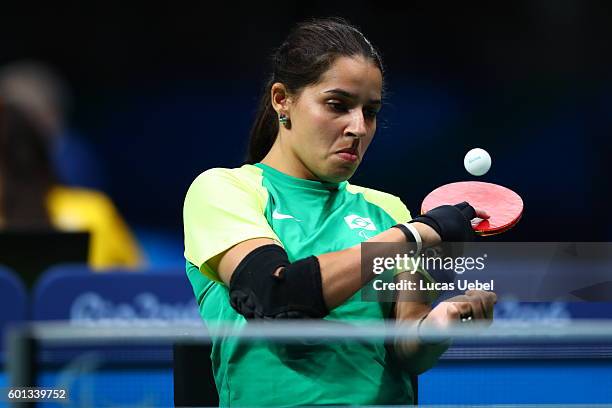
(347, 94)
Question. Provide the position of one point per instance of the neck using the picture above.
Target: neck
(283, 159)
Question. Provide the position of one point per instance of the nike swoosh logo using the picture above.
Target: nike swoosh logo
(278, 216)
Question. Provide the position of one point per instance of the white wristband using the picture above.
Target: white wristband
(417, 237)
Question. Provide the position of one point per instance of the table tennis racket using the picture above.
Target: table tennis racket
(503, 205)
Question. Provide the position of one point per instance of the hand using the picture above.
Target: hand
(480, 213)
(449, 223)
(477, 304)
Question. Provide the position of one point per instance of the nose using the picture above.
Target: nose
(356, 126)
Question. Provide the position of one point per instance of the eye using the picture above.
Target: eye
(370, 113)
(342, 107)
(337, 106)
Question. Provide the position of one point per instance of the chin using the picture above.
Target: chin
(339, 174)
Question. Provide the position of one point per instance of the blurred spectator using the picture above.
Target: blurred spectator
(46, 99)
(32, 198)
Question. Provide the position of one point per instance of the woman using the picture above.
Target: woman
(279, 237)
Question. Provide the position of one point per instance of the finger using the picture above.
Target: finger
(490, 297)
(458, 306)
(472, 297)
(482, 302)
(454, 311)
(474, 292)
(478, 309)
(486, 307)
(489, 300)
(480, 213)
(466, 311)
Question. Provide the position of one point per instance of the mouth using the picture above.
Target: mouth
(350, 154)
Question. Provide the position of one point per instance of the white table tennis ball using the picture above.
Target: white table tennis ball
(477, 162)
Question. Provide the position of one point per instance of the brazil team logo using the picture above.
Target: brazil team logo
(357, 222)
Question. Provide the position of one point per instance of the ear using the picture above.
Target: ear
(281, 101)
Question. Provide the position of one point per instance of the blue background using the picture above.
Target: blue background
(161, 95)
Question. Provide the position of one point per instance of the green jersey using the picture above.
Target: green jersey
(224, 207)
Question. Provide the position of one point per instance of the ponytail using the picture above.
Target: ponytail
(265, 128)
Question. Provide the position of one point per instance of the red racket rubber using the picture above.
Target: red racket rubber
(503, 205)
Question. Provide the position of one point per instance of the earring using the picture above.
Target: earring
(285, 121)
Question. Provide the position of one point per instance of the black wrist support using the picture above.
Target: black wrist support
(451, 222)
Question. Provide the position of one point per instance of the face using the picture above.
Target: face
(334, 121)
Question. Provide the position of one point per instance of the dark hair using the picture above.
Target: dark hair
(26, 172)
(309, 50)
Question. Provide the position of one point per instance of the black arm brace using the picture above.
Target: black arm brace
(451, 222)
(296, 292)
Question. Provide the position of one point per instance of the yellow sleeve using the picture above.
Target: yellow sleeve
(391, 204)
(398, 210)
(221, 210)
(111, 242)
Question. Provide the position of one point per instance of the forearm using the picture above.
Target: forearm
(341, 272)
(416, 356)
